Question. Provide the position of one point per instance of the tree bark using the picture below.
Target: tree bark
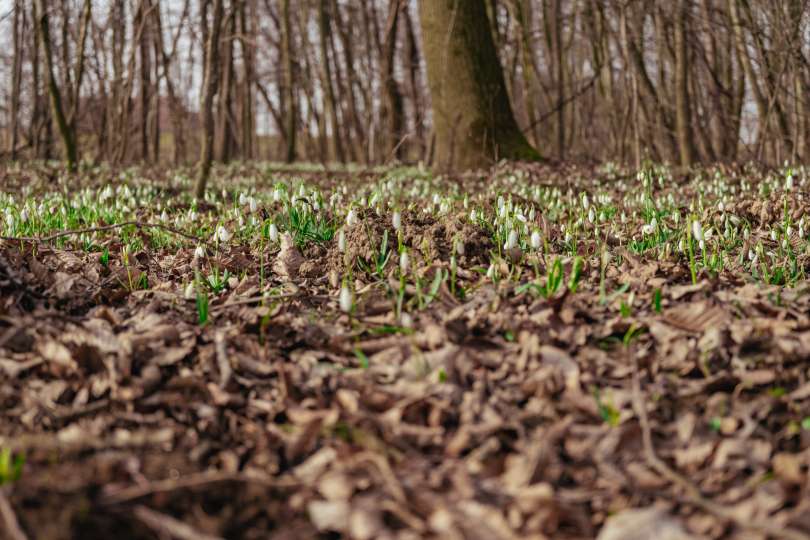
(472, 116)
(683, 114)
(207, 103)
(291, 108)
(16, 76)
(392, 110)
(57, 108)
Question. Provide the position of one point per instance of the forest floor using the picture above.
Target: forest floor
(562, 353)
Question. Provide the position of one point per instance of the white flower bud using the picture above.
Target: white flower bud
(346, 300)
(341, 241)
(273, 232)
(404, 262)
(189, 292)
(396, 220)
(222, 234)
(697, 230)
(199, 252)
(536, 240)
(512, 240)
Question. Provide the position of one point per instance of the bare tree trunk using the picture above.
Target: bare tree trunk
(176, 112)
(472, 115)
(392, 110)
(57, 108)
(224, 125)
(683, 115)
(247, 42)
(207, 103)
(291, 105)
(16, 76)
(145, 79)
(329, 103)
(559, 68)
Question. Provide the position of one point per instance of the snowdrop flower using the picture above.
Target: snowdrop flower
(512, 240)
(789, 230)
(697, 230)
(242, 199)
(345, 299)
(491, 271)
(199, 252)
(273, 232)
(351, 218)
(189, 292)
(276, 195)
(784, 243)
(647, 229)
(472, 215)
(405, 319)
(591, 215)
(502, 212)
(459, 246)
(708, 234)
(341, 241)
(396, 220)
(253, 205)
(222, 234)
(585, 202)
(404, 262)
(24, 215)
(532, 214)
(789, 182)
(746, 233)
(702, 245)
(680, 245)
(568, 237)
(536, 240)
(773, 235)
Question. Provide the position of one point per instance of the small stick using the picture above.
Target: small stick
(132, 493)
(9, 519)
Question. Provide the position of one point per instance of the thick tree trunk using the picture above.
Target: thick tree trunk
(57, 108)
(207, 102)
(472, 116)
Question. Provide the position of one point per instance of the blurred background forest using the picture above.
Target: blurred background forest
(683, 81)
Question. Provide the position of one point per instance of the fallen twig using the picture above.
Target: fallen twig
(693, 494)
(168, 525)
(132, 493)
(9, 519)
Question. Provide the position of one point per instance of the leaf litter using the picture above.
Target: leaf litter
(470, 400)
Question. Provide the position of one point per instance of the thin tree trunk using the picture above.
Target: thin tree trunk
(207, 103)
(683, 115)
(57, 108)
(392, 111)
(288, 87)
(16, 76)
(330, 107)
